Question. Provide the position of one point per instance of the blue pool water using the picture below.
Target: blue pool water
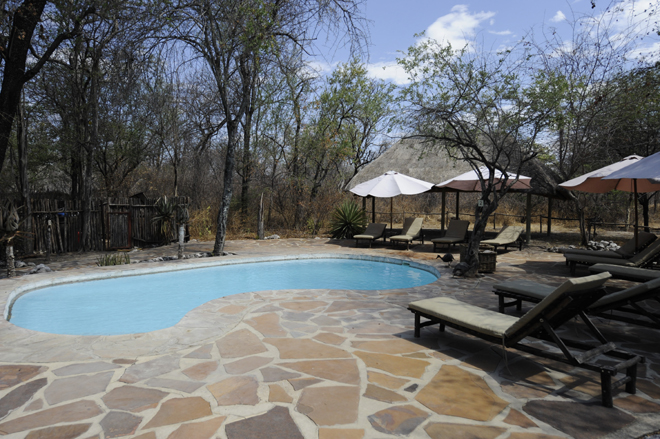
(127, 305)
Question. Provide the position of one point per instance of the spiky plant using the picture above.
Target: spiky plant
(166, 211)
(347, 220)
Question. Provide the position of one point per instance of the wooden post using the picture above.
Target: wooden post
(529, 218)
(48, 243)
(457, 205)
(182, 234)
(260, 219)
(549, 216)
(442, 215)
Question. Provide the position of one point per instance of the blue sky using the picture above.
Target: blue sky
(493, 24)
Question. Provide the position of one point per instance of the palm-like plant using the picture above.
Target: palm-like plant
(166, 211)
(347, 220)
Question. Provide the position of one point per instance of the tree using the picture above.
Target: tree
(19, 22)
(476, 108)
(235, 39)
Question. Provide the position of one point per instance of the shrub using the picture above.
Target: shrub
(113, 259)
(347, 220)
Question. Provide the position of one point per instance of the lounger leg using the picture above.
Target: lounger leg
(417, 322)
(519, 305)
(501, 303)
(631, 386)
(442, 327)
(606, 389)
(572, 265)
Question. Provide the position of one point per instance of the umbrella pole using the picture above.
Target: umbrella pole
(373, 209)
(457, 204)
(442, 215)
(636, 217)
(391, 212)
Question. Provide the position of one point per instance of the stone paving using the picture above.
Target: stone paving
(320, 364)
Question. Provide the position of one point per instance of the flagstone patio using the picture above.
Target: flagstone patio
(320, 364)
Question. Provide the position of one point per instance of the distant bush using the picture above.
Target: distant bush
(113, 259)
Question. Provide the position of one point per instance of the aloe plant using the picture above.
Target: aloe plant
(347, 220)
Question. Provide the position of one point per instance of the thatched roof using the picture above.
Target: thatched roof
(412, 158)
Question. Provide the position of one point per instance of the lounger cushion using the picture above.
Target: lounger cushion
(526, 287)
(580, 284)
(481, 320)
(411, 230)
(644, 239)
(628, 293)
(507, 235)
(633, 273)
(647, 254)
(596, 253)
(373, 231)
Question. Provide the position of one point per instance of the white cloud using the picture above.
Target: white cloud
(502, 32)
(388, 71)
(559, 16)
(458, 27)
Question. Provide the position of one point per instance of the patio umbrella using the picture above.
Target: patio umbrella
(389, 185)
(469, 182)
(641, 176)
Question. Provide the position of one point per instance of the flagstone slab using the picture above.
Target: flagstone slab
(376, 327)
(635, 404)
(341, 433)
(241, 343)
(528, 371)
(330, 338)
(349, 305)
(343, 371)
(277, 394)
(333, 405)
(301, 383)
(393, 346)
(198, 430)
(150, 435)
(399, 420)
(581, 421)
(455, 392)
(303, 305)
(246, 364)
(384, 395)
(516, 418)
(61, 432)
(297, 316)
(80, 368)
(150, 369)
(175, 411)
(277, 423)
(487, 360)
(66, 389)
(441, 430)
(649, 388)
(12, 375)
(272, 374)
(20, 395)
(73, 412)
(388, 381)
(132, 399)
(166, 383)
(117, 424)
(290, 348)
(324, 320)
(268, 325)
(232, 309)
(200, 371)
(203, 353)
(35, 405)
(235, 390)
(400, 366)
(519, 435)
(525, 390)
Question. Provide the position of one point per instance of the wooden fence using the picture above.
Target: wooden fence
(115, 223)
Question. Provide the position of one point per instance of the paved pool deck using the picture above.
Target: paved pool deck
(324, 364)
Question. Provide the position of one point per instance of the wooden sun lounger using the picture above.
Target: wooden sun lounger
(372, 233)
(412, 229)
(509, 235)
(561, 305)
(621, 305)
(456, 232)
(628, 273)
(641, 259)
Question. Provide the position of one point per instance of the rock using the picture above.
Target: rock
(31, 264)
(19, 264)
(272, 237)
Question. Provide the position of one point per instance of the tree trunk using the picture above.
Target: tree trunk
(11, 268)
(482, 213)
(260, 219)
(230, 165)
(90, 147)
(182, 233)
(24, 183)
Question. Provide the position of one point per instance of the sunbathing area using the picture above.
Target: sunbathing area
(330, 364)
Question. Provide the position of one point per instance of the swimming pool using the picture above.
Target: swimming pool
(144, 303)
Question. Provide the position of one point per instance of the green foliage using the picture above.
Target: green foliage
(113, 259)
(347, 220)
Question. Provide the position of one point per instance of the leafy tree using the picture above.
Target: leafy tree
(476, 108)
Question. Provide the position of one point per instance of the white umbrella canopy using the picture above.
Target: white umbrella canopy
(391, 184)
(645, 171)
(469, 182)
(604, 179)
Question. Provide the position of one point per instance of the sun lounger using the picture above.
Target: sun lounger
(616, 305)
(641, 259)
(509, 235)
(626, 251)
(628, 273)
(456, 232)
(412, 229)
(372, 232)
(563, 304)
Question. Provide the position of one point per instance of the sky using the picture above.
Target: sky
(494, 24)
